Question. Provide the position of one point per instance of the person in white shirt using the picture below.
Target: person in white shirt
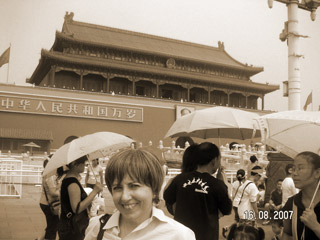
(288, 187)
(260, 196)
(235, 198)
(134, 178)
(94, 174)
(247, 209)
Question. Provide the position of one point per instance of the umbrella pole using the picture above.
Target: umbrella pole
(315, 193)
(89, 162)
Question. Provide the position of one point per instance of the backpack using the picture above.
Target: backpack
(103, 220)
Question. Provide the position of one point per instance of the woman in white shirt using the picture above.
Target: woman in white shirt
(134, 178)
(94, 174)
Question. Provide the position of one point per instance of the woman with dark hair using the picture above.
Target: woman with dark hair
(74, 199)
(304, 208)
(198, 196)
(245, 232)
(189, 159)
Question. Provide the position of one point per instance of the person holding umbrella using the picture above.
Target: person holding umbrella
(74, 199)
(302, 211)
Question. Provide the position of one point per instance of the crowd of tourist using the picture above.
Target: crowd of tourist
(196, 198)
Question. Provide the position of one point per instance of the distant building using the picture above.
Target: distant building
(97, 78)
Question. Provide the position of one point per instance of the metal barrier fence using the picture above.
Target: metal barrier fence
(14, 173)
(11, 178)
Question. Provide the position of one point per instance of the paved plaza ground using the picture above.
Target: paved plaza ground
(22, 219)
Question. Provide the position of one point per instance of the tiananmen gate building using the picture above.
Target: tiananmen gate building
(97, 78)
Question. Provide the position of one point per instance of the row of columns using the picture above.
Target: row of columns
(106, 86)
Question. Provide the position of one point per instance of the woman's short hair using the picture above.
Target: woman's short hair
(311, 157)
(140, 165)
(245, 232)
(207, 152)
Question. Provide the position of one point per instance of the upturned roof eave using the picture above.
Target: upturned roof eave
(251, 70)
(89, 61)
(40, 70)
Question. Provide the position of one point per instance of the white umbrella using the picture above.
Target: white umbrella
(95, 145)
(291, 132)
(215, 122)
(31, 145)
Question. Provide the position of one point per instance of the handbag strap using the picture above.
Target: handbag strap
(237, 190)
(103, 220)
(78, 207)
(243, 191)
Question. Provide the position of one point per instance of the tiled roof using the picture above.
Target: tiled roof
(38, 134)
(58, 57)
(106, 36)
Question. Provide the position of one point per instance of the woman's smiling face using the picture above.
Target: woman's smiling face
(134, 200)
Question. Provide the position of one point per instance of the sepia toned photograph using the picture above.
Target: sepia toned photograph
(145, 119)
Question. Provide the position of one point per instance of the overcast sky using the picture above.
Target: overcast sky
(249, 29)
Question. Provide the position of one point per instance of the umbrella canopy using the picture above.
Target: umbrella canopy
(95, 145)
(216, 122)
(291, 132)
(31, 144)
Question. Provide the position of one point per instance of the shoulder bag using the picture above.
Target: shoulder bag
(79, 221)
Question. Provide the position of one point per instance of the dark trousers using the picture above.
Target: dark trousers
(52, 222)
(236, 214)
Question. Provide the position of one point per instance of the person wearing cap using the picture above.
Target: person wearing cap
(247, 208)
(252, 163)
(236, 197)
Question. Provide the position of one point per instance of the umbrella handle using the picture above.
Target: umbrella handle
(315, 193)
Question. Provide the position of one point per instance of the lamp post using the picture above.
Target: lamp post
(291, 34)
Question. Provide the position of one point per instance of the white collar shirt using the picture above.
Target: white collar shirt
(158, 227)
(288, 189)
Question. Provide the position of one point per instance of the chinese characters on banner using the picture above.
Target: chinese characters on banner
(68, 108)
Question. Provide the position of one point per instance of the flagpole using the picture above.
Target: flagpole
(311, 101)
(8, 65)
